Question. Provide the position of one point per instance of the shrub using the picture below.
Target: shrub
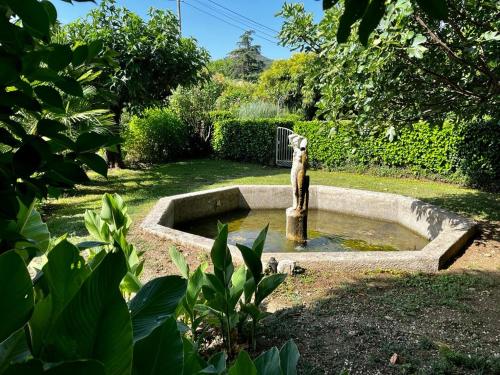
(446, 149)
(247, 140)
(235, 94)
(478, 154)
(220, 115)
(193, 105)
(157, 135)
(259, 109)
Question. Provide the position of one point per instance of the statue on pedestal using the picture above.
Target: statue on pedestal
(297, 214)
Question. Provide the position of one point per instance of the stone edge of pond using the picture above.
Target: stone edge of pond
(448, 232)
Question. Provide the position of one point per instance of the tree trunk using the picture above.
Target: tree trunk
(114, 155)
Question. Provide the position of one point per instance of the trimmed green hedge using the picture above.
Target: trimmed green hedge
(468, 153)
(247, 140)
(470, 150)
(418, 146)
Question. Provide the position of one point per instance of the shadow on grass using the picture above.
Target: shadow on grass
(479, 204)
(437, 324)
(141, 187)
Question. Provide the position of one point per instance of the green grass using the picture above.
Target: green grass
(142, 188)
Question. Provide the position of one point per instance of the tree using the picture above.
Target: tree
(247, 61)
(221, 66)
(285, 82)
(414, 67)
(369, 13)
(153, 58)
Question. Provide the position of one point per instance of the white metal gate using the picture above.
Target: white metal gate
(284, 153)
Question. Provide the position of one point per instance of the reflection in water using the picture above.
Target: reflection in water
(327, 231)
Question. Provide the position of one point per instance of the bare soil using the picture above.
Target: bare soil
(353, 323)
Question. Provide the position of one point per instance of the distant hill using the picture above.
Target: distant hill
(267, 61)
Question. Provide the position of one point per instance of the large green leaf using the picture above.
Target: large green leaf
(31, 227)
(64, 273)
(243, 365)
(91, 141)
(36, 367)
(179, 261)
(289, 357)
(374, 13)
(353, 11)
(238, 283)
(252, 261)
(96, 323)
(221, 256)
(268, 363)
(81, 367)
(16, 291)
(193, 362)
(50, 96)
(267, 285)
(155, 302)
(95, 162)
(33, 15)
(70, 86)
(14, 349)
(258, 244)
(161, 351)
(60, 56)
(194, 285)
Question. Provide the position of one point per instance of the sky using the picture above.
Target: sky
(212, 22)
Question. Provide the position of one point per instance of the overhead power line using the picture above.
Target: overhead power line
(243, 16)
(227, 22)
(252, 24)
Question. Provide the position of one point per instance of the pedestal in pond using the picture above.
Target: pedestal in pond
(296, 225)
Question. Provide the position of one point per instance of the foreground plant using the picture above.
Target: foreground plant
(72, 317)
(110, 227)
(257, 286)
(220, 294)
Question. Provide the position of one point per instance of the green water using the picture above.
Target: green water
(327, 231)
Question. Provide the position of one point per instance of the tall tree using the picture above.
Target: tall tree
(414, 66)
(152, 56)
(247, 59)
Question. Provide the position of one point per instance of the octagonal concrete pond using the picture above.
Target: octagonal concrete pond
(446, 232)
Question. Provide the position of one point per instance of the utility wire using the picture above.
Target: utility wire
(243, 16)
(239, 21)
(229, 23)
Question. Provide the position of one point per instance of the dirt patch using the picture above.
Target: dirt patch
(353, 323)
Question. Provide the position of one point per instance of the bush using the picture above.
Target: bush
(156, 136)
(447, 149)
(259, 109)
(192, 105)
(221, 115)
(247, 140)
(235, 94)
(478, 154)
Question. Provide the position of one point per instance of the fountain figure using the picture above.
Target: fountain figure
(296, 216)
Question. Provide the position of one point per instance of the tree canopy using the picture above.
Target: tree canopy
(414, 66)
(247, 61)
(152, 56)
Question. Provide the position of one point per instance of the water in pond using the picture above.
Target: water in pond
(327, 231)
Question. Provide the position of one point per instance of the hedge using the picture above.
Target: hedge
(247, 140)
(471, 150)
(469, 153)
(156, 136)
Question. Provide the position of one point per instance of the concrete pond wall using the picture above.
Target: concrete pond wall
(448, 233)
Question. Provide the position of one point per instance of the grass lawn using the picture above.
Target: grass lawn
(141, 189)
(343, 323)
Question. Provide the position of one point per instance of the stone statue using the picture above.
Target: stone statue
(299, 180)
(296, 216)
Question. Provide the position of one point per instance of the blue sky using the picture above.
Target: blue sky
(212, 33)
